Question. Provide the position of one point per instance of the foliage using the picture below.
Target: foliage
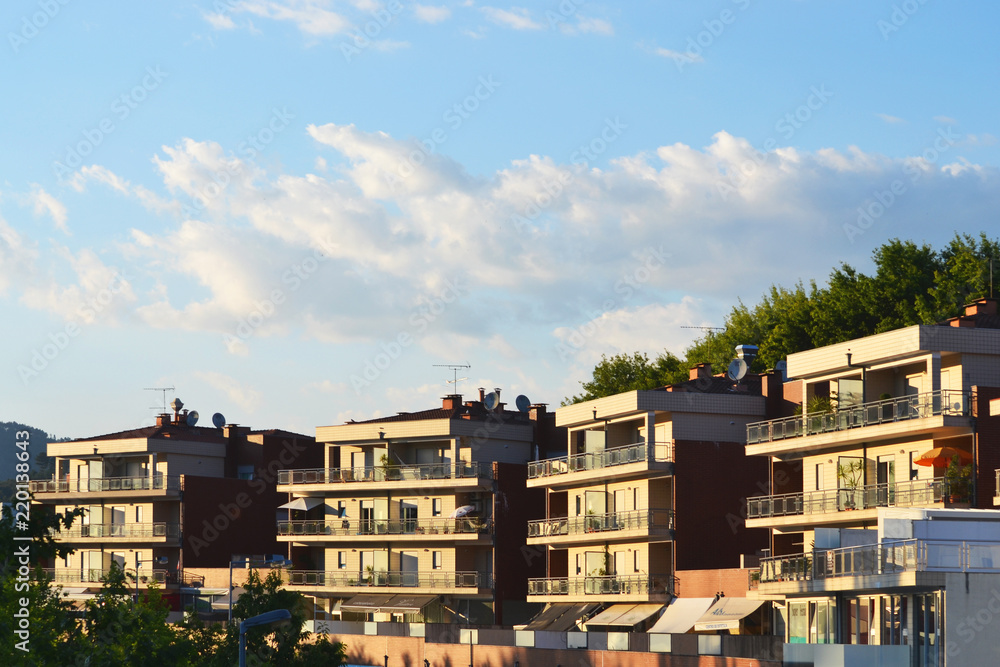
(958, 477)
(624, 372)
(851, 473)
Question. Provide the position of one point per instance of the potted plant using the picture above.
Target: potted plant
(958, 481)
(851, 474)
(389, 470)
(592, 523)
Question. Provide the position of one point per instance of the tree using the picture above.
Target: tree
(624, 372)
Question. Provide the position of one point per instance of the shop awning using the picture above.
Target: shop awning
(304, 504)
(559, 617)
(365, 603)
(625, 614)
(726, 614)
(682, 614)
(390, 604)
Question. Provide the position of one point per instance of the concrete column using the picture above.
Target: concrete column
(934, 368)
(650, 436)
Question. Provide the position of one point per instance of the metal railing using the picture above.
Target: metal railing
(388, 473)
(389, 579)
(637, 584)
(916, 493)
(904, 408)
(602, 523)
(100, 484)
(124, 530)
(68, 575)
(607, 458)
(346, 527)
(884, 558)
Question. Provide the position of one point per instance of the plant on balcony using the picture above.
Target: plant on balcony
(851, 474)
(592, 523)
(389, 470)
(958, 481)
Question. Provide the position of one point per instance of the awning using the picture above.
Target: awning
(390, 604)
(304, 504)
(681, 615)
(625, 614)
(559, 617)
(726, 614)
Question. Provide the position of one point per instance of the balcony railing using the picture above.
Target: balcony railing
(885, 558)
(905, 408)
(346, 527)
(389, 473)
(607, 458)
(68, 575)
(602, 523)
(123, 530)
(345, 579)
(99, 484)
(916, 493)
(637, 584)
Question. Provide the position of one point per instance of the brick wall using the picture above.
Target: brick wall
(706, 583)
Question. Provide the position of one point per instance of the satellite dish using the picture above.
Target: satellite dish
(218, 420)
(176, 405)
(192, 418)
(782, 367)
(737, 369)
(522, 402)
(491, 400)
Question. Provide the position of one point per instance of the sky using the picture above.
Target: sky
(300, 212)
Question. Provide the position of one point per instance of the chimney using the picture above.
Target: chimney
(982, 307)
(451, 401)
(702, 370)
(163, 420)
(482, 394)
(537, 411)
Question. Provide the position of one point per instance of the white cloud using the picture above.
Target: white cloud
(890, 119)
(46, 204)
(516, 18)
(243, 396)
(587, 25)
(219, 21)
(388, 45)
(431, 13)
(946, 120)
(684, 57)
(311, 17)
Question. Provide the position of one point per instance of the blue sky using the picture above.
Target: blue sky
(292, 210)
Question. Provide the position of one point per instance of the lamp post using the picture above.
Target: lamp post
(261, 619)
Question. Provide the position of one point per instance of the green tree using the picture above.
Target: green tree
(624, 372)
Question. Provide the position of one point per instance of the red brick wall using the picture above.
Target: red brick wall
(712, 481)
(706, 583)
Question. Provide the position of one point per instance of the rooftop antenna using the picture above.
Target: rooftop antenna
(704, 328)
(162, 408)
(454, 369)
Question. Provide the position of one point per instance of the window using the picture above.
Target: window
(635, 560)
(436, 507)
(138, 513)
(579, 561)
(914, 472)
(579, 506)
(436, 560)
(342, 560)
(244, 472)
(341, 508)
(819, 476)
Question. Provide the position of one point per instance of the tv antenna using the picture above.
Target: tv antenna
(454, 369)
(704, 328)
(162, 408)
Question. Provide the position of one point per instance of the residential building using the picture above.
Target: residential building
(159, 499)
(419, 515)
(652, 485)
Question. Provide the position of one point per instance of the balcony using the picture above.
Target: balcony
(466, 529)
(67, 489)
(602, 527)
(624, 588)
(427, 475)
(435, 581)
(849, 505)
(918, 414)
(619, 461)
(90, 576)
(132, 532)
(904, 562)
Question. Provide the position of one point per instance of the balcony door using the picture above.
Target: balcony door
(408, 515)
(886, 479)
(118, 521)
(596, 505)
(367, 519)
(409, 566)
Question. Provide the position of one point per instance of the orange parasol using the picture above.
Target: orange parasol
(940, 457)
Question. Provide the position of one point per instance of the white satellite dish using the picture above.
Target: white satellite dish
(218, 420)
(192, 418)
(491, 400)
(737, 369)
(782, 367)
(522, 402)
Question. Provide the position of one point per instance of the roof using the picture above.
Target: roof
(280, 431)
(719, 384)
(474, 410)
(174, 431)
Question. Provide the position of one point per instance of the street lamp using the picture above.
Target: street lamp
(261, 619)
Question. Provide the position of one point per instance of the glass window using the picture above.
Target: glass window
(342, 560)
(436, 560)
(436, 507)
(798, 622)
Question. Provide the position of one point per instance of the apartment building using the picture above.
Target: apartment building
(163, 498)
(652, 485)
(419, 516)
